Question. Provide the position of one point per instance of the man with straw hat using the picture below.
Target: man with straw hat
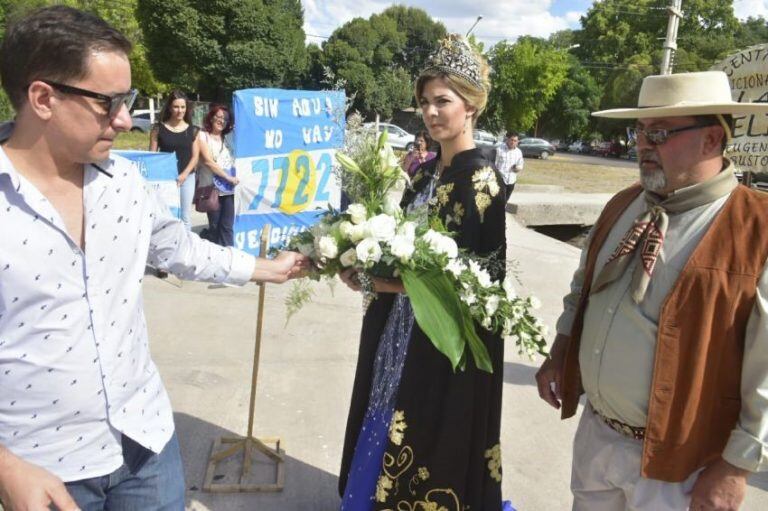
(666, 326)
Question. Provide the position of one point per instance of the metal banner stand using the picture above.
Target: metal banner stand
(247, 444)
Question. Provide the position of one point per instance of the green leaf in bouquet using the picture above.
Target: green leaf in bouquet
(438, 312)
(476, 346)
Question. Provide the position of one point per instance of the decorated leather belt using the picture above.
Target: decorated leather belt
(620, 427)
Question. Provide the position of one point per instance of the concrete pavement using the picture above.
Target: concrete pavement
(202, 340)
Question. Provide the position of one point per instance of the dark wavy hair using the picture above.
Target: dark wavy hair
(423, 134)
(165, 114)
(54, 43)
(212, 111)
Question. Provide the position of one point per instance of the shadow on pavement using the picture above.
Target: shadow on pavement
(519, 374)
(306, 487)
(759, 480)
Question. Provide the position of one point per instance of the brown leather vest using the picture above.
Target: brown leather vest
(695, 398)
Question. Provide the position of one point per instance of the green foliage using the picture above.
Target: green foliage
(379, 58)
(752, 31)
(121, 15)
(215, 47)
(526, 77)
(568, 115)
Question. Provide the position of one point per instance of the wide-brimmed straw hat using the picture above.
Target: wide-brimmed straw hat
(684, 94)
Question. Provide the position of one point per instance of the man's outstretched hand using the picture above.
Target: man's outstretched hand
(286, 265)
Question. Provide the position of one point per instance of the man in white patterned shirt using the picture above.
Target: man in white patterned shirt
(80, 399)
(509, 161)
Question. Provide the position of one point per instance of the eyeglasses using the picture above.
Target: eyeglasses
(112, 103)
(660, 136)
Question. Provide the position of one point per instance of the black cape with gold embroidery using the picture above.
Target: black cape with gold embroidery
(449, 453)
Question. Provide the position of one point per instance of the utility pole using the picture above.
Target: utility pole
(670, 43)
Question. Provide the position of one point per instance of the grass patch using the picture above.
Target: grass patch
(577, 177)
(135, 140)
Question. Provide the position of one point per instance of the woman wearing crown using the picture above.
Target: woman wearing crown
(420, 435)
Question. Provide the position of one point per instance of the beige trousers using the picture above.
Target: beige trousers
(606, 473)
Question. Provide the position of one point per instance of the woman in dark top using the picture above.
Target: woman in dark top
(175, 134)
(419, 435)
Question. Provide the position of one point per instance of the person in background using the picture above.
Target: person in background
(175, 134)
(419, 154)
(216, 167)
(509, 161)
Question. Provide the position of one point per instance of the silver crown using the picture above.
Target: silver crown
(455, 56)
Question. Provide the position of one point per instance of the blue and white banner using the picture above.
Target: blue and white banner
(160, 170)
(285, 142)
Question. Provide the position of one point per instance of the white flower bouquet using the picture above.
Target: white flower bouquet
(449, 290)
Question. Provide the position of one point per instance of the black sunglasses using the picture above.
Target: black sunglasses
(660, 136)
(113, 103)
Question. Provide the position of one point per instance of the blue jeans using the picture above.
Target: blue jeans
(225, 221)
(186, 194)
(146, 481)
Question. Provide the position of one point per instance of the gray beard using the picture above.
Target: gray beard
(653, 180)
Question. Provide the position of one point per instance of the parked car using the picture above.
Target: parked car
(397, 137)
(579, 147)
(141, 122)
(609, 149)
(484, 138)
(537, 148)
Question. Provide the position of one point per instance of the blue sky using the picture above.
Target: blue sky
(502, 19)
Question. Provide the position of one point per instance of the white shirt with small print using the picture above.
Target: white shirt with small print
(507, 158)
(75, 367)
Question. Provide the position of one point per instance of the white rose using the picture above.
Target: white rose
(447, 246)
(407, 229)
(441, 244)
(368, 251)
(486, 323)
(402, 247)
(327, 247)
(348, 258)
(357, 213)
(382, 227)
(456, 267)
(431, 237)
(345, 228)
(358, 232)
(509, 288)
(391, 205)
(492, 304)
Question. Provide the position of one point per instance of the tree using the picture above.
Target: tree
(752, 31)
(568, 115)
(422, 35)
(217, 46)
(121, 15)
(380, 57)
(526, 77)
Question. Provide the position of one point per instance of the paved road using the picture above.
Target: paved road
(596, 160)
(202, 341)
